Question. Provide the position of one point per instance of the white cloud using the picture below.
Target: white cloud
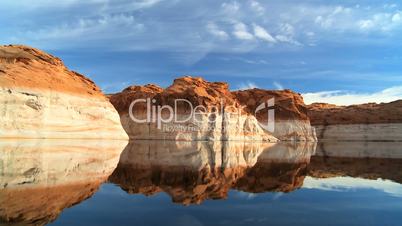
(357, 19)
(108, 26)
(348, 98)
(366, 24)
(283, 38)
(155, 24)
(230, 7)
(397, 17)
(381, 22)
(325, 22)
(332, 17)
(349, 183)
(247, 85)
(241, 32)
(287, 33)
(257, 7)
(263, 34)
(214, 30)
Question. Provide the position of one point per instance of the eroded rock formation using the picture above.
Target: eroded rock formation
(204, 110)
(365, 122)
(41, 98)
(291, 120)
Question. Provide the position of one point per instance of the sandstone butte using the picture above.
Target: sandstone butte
(41, 98)
(364, 122)
(234, 120)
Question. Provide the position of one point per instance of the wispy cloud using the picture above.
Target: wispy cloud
(108, 26)
(216, 31)
(325, 34)
(230, 7)
(347, 98)
(263, 34)
(235, 25)
(241, 32)
(257, 7)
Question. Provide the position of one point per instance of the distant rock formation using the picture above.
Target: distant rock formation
(213, 112)
(364, 122)
(40, 178)
(41, 98)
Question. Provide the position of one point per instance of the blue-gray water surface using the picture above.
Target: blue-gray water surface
(200, 183)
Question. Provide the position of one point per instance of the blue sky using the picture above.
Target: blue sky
(337, 51)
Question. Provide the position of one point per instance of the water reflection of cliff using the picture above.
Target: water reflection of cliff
(368, 160)
(40, 178)
(191, 172)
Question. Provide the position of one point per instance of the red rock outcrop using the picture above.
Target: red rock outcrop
(41, 98)
(291, 120)
(220, 113)
(372, 122)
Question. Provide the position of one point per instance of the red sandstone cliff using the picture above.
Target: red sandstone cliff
(373, 122)
(233, 120)
(41, 98)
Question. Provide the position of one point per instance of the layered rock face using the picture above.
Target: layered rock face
(365, 122)
(41, 98)
(39, 178)
(191, 172)
(291, 120)
(202, 110)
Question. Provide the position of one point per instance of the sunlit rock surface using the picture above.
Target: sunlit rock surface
(364, 122)
(191, 172)
(41, 98)
(226, 115)
(40, 178)
(291, 120)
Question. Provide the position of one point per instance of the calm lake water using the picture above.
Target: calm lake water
(59, 182)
